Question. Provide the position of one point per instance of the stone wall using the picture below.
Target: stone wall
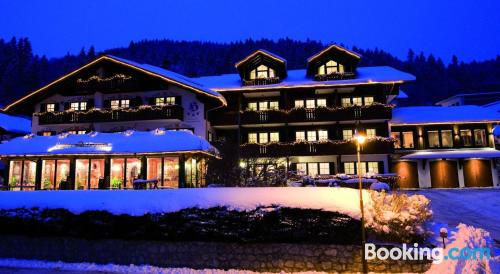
(256, 256)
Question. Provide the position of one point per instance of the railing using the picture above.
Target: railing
(112, 115)
(334, 76)
(372, 146)
(261, 81)
(321, 114)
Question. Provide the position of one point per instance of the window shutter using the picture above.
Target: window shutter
(151, 101)
(332, 168)
(43, 107)
(107, 104)
(66, 105)
(293, 166)
(90, 104)
(137, 101)
(380, 167)
(178, 100)
(56, 106)
(39, 133)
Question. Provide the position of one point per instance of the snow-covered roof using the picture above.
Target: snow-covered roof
(493, 106)
(129, 142)
(262, 51)
(350, 52)
(479, 93)
(298, 78)
(454, 154)
(402, 95)
(15, 124)
(437, 114)
(169, 74)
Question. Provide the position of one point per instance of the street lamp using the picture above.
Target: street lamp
(360, 139)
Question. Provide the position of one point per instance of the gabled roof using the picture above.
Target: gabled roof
(15, 124)
(169, 76)
(298, 78)
(441, 115)
(264, 52)
(129, 142)
(337, 47)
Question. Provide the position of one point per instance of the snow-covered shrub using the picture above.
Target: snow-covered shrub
(471, 237)
(398, 217)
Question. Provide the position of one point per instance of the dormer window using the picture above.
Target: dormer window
(262, 72)
(330, 67)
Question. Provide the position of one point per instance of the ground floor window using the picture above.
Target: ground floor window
(117, 173)
(22, 175)
(194, 170)
(62, 174)
(133, 171)
(124, 171)
(170, 175)
(366, 167)
(314, 168)
(48, 174)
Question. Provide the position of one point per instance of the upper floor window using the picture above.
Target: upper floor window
(300, 136)
(357, 101)
(161, 101)
(47, 133)
(440, 138)
(403, 139)
(263, 137)
(78, 106)
(347, 134)
(263, 105)
(480, 137)
(371, 132)
(50, 107)
(310, 103)
(116, 104)
(312, 135)
(330, 67)
(77, 132)
(261, 72)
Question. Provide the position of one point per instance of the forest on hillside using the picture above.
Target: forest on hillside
(21, 71)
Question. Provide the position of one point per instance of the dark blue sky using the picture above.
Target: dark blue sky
(469, 29)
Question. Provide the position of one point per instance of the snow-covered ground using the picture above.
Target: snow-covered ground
(479, 207)
(140, 202)
(24, 266)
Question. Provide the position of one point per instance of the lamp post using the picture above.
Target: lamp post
(360, 139)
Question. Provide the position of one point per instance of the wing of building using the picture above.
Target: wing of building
(94, 127)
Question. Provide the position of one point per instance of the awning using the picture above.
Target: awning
(128, 142)
(454, 154)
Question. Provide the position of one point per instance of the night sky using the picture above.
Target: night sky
(469, 29)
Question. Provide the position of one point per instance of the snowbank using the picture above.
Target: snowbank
(113, 268)
(342, 200)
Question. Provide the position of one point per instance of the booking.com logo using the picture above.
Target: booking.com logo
(414, 253)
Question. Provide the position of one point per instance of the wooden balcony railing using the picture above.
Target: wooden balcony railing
(261, 81)
(112, 115)
(335, 76)
(321, 114)
(372, 146)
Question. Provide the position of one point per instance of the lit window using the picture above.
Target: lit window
(75, 106)
(72, 131)
(372, 167)
(447, 138)
(263, 138)
(81, 132)
(159, 101)
(273, 105)
(262, 72)
(51, 107)
(480, 137)
(311, 136)
(322, 135)
(299, 103)
(312, 169)
(433, 137)
(321, 103)
(408, 139)
(396, 136)
(275, 136)
(357, 101)
(263, 105)
(170, 100)
(349, 168)
(301, 168)
(368, 101)
(371, 132)
(346, 102)
(252, 138)
(252, 106)
(300, 136)
(347, 134)
(341, 68)
(331, 66)
(466, 136)
(310, 103)
(115, 104)
(363, 168)
(324, 168)
(125, 103)
(46, 133)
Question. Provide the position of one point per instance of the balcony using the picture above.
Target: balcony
(296, 115)
(334, 76)
(261, 81)
(330, 147)
(112, 115)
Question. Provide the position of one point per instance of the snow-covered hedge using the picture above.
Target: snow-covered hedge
(398, 217)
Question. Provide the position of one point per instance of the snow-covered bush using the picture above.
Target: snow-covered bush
(398, 217)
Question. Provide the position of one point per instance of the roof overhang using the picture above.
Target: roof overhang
(453, 154)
